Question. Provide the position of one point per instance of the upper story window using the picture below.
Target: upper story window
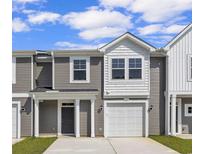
(80, 69)
(13, 70)
(118, 68)
(135, 68)
(189, 67)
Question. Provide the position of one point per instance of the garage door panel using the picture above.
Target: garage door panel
(125, 119)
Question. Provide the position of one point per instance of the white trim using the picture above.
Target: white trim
(36, 131)
(53, 70)
(125, 101)
(13, 70)
(20, 95)
(186, 106)
(32, 73)
(59, 117)
(32, 116)
(77, 118)
(173, 115)
(72, 58)
(92, 117)
(179, 101)
(131, 37)
(18, 103)
(189, 67)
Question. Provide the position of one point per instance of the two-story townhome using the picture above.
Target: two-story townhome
(179, 83)
(115, 91)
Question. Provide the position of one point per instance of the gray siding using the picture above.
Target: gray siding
(62, 81)
(23, 75)
(186, 121)
(157, 88)
(48, 116)
(85, 118)
(43, 74)
(26, 116)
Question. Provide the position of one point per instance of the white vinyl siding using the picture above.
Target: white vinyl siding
(177, 64)
(79, 69)
(126, 49)
(189, 67)
(13, 70)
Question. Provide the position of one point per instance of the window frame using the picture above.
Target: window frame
(189, 67)
(13, 70)
(186, 113)
(135, 68)
(87, 80)
(118, 69)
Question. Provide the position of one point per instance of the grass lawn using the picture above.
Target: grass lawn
(183, 146)
(32, 145)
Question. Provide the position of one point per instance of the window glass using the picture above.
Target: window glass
(135, 68)
(79, 69)
(118, 68)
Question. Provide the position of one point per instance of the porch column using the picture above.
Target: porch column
(59, 117)
(36, 106)
(179, 101)
(77, 118)
(173, 115)
(92, 117)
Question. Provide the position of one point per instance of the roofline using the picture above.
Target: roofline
(131, 35)
(177, 36)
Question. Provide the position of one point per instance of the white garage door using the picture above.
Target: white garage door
(14, 120)
(125, 119)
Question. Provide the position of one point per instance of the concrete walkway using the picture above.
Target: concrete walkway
(69, 145)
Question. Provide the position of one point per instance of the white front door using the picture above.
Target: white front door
(14, 120)
(125, 119)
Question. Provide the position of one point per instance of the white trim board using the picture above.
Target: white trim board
(20, 95)
(18, 103)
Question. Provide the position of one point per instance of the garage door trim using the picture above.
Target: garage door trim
(146, 102)
(18, 103)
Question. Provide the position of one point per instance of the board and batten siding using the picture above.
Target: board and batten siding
(178, 64)
(23, 75)
(126, 49)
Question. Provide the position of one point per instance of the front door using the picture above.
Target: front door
(67, 120)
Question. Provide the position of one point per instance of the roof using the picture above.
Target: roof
(166, 47)
(131, 36)
(49, 89)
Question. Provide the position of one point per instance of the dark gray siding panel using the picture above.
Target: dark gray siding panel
(44, 74)
(157, 88)
(23, 75)
(26, 116)
(85, 118)
(186, 121)
(48, 116)
(62, 81)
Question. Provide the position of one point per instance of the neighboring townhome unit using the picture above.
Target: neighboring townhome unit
(134, 83)
(179, 83)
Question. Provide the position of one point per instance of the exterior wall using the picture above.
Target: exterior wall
(178, 64)
(23, 75)
(85, 118)
(157, 99)
(186, 121)
(62, 81)
(43, 74)
(48, 116)
(126, 49)
(26, 116)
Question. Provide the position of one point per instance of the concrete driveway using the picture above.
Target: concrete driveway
(65, 145)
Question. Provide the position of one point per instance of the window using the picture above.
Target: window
(188, 110)
(135, 68)
(13, 70)
(80, 69)
(189, 67)
(118, 68)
